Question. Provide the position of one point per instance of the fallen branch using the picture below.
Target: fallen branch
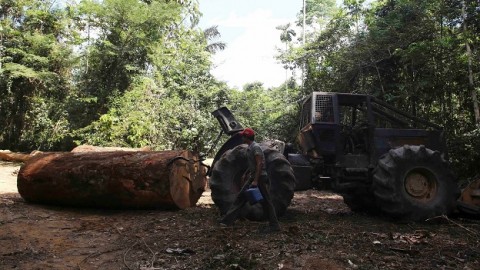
(407, 251)
(455, 223)
(95, 254)
(153, 254)
(148, 247)
(125, 255)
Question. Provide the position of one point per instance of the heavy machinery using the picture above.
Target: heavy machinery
(380, 159)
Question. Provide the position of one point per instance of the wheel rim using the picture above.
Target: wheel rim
(421, 184)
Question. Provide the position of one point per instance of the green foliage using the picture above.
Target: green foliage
(409, 53)
(273, 113)
(318, 14)
(210, 35)
(35, 61)
(130, 121)
(48, 125)
(140, 75)
(127, 35)
(466, 155)
(157, 90)
(136, 73)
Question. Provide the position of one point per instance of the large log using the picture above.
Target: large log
(170, 179)
(92, 148)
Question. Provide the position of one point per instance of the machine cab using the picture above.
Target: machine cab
(339, 126)
(328, 121)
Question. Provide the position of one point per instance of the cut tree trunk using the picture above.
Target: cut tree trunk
(22, 157)
(169, 180)
(92, 148)
(17, 157)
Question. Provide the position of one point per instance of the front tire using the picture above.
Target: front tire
(414, 183)
(226, 181)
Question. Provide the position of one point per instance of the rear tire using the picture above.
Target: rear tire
(414, 183)
(226, 181)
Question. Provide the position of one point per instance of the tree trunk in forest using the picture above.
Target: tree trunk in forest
(169, 180)
(471, 84)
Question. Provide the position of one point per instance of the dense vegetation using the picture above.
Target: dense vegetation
(421, 56)
(137, 72)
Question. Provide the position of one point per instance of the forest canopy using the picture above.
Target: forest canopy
(137, 72)
(421, 56)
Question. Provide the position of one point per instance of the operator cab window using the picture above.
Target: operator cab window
(354, 115)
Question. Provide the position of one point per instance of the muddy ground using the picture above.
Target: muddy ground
(318, 232)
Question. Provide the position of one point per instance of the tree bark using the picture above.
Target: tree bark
(169, 180)
(92, 148)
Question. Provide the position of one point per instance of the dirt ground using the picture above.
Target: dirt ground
(318, 232)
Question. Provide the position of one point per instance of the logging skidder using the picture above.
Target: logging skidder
(380, 159)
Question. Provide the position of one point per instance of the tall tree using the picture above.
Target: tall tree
(286, 36)
(211, 34)
(471, 83)
(158, 89)
(318, 13)
(36, 61)
(127, 34)
(418, 55)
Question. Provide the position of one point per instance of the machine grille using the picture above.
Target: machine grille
(324, 108)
